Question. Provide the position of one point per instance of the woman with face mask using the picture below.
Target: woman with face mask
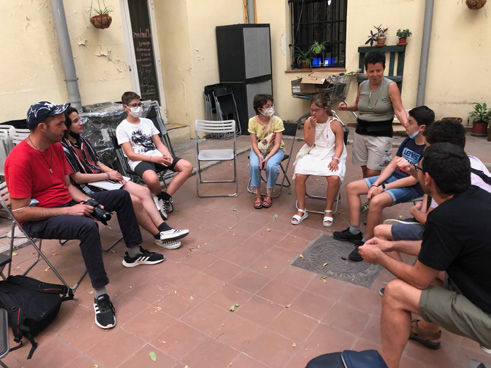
(267, 151)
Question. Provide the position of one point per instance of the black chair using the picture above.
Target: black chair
(291, 132)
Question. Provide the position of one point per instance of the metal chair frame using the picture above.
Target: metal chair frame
(228, 154)
(290, 131)
(5, 203)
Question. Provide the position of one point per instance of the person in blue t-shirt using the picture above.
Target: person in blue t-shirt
(392, 186)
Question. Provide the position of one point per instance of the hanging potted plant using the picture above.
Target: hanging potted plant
(480, 119)
(403, 34)
(475, 4)
(302, 58)
(101, 19)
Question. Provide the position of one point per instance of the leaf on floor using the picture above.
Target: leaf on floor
(47, 269)
(230, 227)
(294, 345)
(235, 210)
(14, 253)
(301, 255)
(324, 265)
(275, 216)
(268, 230)
(153, 356)
(288, 306)
(191, 297)
(193, 249)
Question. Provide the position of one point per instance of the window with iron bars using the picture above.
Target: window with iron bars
(323, 21)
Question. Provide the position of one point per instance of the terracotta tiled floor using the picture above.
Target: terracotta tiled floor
(234, 256)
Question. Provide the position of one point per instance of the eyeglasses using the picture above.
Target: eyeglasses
(135, 105)
(418, 168)
(315, 111)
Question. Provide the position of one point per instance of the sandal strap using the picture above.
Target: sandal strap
(303, 211)
(415, 329)
(330, 211)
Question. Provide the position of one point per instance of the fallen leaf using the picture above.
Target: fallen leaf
(153, 356)
(236, 305)
(275, 216)
(46, 269)
(323, 277)
(193, 250)
(91, 292)
(191, 297)
(14, 253)
(96, 365)
(301, 255)
(294, 345)
(288, 306)
(230, 227)
(324, 265)
(268, 229)
(400, 216)
(235, 210)
(232, 308)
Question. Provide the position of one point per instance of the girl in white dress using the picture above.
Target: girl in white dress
(323, 154)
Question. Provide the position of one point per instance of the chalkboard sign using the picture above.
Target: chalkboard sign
(144, 54)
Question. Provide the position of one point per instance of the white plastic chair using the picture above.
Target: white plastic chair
(18, 135)
(227, 128)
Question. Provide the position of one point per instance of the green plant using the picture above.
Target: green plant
(300, 56)
(101, 11)
(318, 48)
(380, 31)
(403, 33)
(372, 37)
(481, 114)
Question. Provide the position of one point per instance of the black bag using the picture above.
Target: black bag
(31, 306)
(349, 359)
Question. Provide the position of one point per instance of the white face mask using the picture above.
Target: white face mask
(269, 112)
(136, 112)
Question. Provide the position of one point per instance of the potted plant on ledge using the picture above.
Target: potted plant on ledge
(302, 58)
(378, 37)
(317, 49)
(403, 34)
(102, 19)
(480, 119)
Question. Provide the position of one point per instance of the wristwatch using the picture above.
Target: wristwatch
(383, 185)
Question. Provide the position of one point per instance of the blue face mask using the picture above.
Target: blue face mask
(412, 136)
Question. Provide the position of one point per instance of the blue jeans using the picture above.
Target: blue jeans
(398, 195)
(272, 169)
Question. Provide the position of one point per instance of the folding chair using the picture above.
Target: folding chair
(224, 154)
(4, 335)
(5, 203)
(290, 131)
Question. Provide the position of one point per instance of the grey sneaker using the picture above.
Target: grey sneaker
(171, 244)
(105, 315)
(159, 203)
(169, 205)
(173, 234)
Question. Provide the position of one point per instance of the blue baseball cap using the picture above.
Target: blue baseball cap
(41, 110)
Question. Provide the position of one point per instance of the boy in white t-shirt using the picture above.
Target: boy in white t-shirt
(146, 153)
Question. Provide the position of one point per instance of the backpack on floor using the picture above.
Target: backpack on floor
(31, 306)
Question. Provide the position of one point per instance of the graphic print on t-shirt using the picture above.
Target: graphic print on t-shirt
(144, 141)
(411, 156)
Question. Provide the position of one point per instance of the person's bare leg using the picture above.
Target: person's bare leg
(374, 218)
(383, 231)
(184, 169)
(142, 217)
(152, 180)
(333, 184)
(371, 172)
(145, 196)
(300, 190)
(353, 191)
(399, 301)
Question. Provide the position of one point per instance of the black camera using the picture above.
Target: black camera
(98, 213)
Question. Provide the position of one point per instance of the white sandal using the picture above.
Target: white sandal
(328, 220)
(297, 220)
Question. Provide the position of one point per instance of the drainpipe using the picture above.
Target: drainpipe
(251, 11)
(425, 50)
(66, 53)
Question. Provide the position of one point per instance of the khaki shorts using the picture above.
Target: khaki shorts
(372, 152)
(455, 313)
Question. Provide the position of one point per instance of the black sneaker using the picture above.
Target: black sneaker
(355, 255)
(105, 315)
(346, 235)
(145, 257)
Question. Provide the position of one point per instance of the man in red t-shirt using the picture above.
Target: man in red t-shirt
(36, 169)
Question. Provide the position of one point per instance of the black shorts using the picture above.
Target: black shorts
(146, 165)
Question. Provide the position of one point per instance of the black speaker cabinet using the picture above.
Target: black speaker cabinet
(244, 62)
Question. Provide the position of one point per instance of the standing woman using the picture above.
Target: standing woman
(267, 151)
(377, 100)
(323, 154)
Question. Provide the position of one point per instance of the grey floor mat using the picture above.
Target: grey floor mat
(329, 257)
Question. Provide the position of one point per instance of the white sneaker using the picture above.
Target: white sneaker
(486, 350)
(171, 244)
(173, 234)
(159, 203)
